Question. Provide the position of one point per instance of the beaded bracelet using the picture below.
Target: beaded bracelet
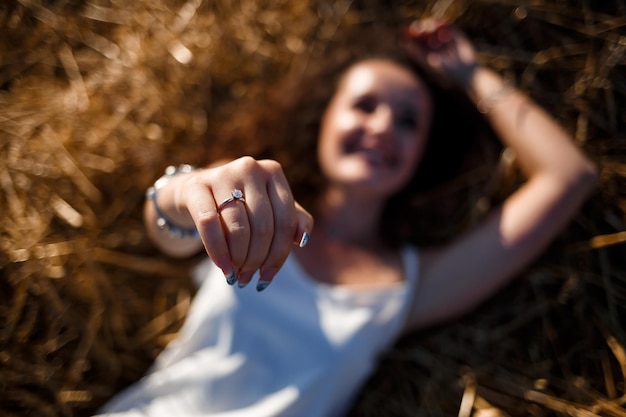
(163, 222)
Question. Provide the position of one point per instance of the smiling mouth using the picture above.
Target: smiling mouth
(374, 156)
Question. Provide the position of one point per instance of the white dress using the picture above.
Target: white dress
(299, 348)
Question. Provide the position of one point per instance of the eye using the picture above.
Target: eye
(408, 121)
(366, 104)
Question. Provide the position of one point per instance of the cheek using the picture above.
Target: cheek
(339, 124)
(413, 150)
(417, 145)
(410, 151)
(326, 143)
(335, 129)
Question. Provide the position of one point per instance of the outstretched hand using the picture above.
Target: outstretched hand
(443, 50)
(248, 233)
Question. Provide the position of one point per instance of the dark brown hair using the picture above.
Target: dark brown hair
(285, 125)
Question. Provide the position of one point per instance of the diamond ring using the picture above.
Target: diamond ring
(236, 194)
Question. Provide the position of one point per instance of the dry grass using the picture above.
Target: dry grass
(97, 97)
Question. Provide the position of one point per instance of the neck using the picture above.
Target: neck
(350, 218)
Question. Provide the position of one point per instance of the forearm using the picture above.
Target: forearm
(541, 145)
(458, 276)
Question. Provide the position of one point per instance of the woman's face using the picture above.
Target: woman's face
(375, 128)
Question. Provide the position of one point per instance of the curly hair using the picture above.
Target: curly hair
(285, 125)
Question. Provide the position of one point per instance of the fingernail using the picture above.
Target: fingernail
(304, 240)
(266, 276)
(230, 278)
(244, 279)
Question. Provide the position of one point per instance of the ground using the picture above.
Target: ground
(97, 97)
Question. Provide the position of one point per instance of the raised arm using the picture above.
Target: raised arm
(458, 277)
(244, 212)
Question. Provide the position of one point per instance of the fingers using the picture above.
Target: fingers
(430, 33)
(442, 49)
(235, 224)
(285, 221)
(203, 210)
(304, 226)
(281, 247)
(243, 237)
(431, 42)
(289, 219)
(260, 216)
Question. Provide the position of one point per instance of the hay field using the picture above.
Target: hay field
(97, 97)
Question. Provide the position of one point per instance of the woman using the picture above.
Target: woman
(304, 346)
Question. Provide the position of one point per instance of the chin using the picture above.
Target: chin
(366, 177)
(379, 186)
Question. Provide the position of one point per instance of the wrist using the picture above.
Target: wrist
(486, 88)
(161, 197)
(464, 77)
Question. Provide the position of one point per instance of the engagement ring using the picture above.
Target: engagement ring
(236, 194)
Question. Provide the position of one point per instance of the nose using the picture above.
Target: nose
(381, 121)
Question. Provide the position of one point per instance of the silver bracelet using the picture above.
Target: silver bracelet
(163, 222)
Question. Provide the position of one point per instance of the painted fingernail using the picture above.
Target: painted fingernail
(244, 279)
(266, 275)
(304, 240)
(230, 278)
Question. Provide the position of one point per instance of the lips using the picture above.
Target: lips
(375, 154)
